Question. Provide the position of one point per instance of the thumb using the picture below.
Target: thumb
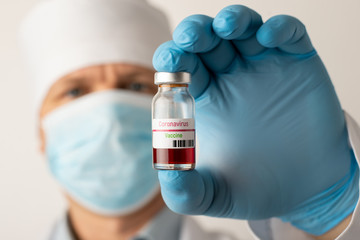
(195, 192)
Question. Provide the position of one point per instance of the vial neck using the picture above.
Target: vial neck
(173, 85)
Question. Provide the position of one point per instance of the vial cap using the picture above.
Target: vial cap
(172, 78)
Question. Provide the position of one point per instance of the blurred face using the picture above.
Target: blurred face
(93, 79)
(90, 80)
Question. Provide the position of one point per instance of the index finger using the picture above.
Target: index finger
(170, 58)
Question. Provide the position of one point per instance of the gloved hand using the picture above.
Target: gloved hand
(271, 132)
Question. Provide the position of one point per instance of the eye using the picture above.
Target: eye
(74, 93)
(138, 87)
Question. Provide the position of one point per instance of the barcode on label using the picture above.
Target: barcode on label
(183, 143)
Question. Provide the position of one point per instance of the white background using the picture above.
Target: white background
(29, 198)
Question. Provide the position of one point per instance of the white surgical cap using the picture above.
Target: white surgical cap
(60, 36)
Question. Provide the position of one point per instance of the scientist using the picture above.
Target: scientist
(283, 152)
(91, 63)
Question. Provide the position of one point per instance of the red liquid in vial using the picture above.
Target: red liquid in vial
(174, 156)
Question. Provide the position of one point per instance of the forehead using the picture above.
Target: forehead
(120, 69)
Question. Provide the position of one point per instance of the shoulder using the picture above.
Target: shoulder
(275, 229)
(191, 229)
(60, 230)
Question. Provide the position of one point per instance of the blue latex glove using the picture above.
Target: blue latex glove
(272, 135)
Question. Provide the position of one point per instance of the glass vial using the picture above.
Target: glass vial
(173, 122)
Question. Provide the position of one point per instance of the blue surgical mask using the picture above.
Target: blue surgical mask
(99, 150)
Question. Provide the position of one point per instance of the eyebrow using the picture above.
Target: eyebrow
(72, 79)
(129, 74)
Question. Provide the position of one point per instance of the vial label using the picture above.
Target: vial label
(173, 133)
